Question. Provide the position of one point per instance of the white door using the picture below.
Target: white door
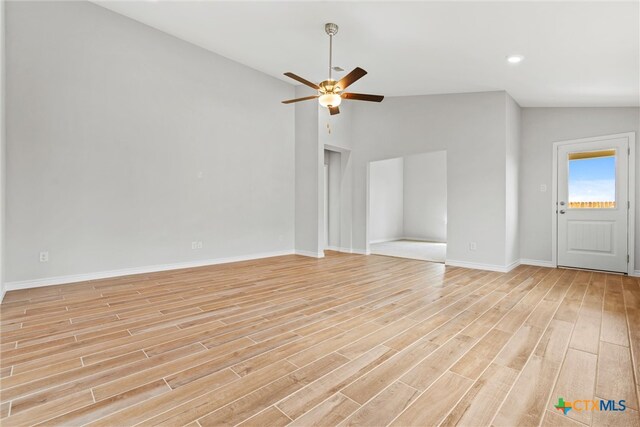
(593, 204)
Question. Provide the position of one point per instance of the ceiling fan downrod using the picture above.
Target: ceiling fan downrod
(331, 29)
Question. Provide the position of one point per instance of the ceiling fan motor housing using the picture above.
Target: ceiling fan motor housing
(331, 28)
(329, 86)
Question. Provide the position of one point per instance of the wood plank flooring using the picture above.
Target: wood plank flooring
(345, 340)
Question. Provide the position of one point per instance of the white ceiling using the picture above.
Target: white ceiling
(576, 53)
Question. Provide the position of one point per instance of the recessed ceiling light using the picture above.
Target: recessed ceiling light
(514, 59)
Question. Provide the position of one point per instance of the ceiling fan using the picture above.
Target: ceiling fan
(331, 92)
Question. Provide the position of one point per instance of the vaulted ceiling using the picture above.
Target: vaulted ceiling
(575, 53)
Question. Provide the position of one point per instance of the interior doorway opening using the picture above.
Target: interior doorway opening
(408, 207)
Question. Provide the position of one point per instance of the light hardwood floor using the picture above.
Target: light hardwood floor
(345, 340)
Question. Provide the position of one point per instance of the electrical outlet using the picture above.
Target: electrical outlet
(196, 245)
(44, 256)
(543, 188)
(472, 246)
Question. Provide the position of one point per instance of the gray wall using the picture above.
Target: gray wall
(2, 148)
(309, 178)
(386, 200)
(425, 197)
(126, 144)
(471, 128)
(512, 154)
(541, 127)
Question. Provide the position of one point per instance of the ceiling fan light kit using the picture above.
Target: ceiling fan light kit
(331, 92)
(330, 100)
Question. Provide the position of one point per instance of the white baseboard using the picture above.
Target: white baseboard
(59, 280)
(513, 265)
(549, 264)
(341, 249)
(348, 251)
(537, 263)
(360, 252)
(422, 239)
(416, 239)
(2, 294)
(388, 239)
(481, 266)
(310, 254)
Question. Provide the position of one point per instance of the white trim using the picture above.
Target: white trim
(554, 206)
(395, 239)
(537, 263)
(367, 211)
(59, 280)
(480, 266)
(631, 214)
(390, 239)
(310, 253)
(513, 265)
(422, 239)
(346, 250)
(361, 252)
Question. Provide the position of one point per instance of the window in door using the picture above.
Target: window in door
(592, 179)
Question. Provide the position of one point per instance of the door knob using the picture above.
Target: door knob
(562, 211)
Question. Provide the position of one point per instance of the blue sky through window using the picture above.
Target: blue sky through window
(592, 180)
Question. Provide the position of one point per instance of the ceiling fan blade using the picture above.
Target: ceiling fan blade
(306, 98)
(301, 80)
(334, 110)
(351, 78)
(363, 97)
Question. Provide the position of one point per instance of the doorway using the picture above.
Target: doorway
(408, 207)
(593, 215)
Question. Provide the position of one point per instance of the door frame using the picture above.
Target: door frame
(631, 189)
(326, 207)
